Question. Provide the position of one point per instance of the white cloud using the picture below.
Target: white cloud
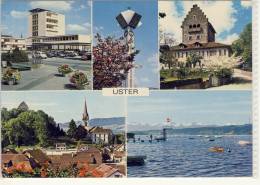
(172, 22)
(53, 5)
(82, 7)
(229, 39)
(219, 13)
(87, 24)
(246, 4)
(98, 29)
(84, 28)
(75, 27)
(18, 14)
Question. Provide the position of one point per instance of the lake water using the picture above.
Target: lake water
(180, 156)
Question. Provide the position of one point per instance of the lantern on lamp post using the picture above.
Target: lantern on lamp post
(128, 21)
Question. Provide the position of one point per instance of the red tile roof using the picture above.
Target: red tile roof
(38, 155)
(103, 171)
(19, 162)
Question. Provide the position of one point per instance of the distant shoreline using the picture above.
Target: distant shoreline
(227, 130)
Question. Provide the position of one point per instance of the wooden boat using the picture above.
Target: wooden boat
(138, 160)
(216, 149)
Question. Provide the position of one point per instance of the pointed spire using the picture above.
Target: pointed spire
(85, 116)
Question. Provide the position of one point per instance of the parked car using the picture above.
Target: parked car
(61, 54)
(71, 53)
(41, 55)
(51, 54)
(86, 57)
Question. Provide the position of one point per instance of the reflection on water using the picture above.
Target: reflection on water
(181, 156)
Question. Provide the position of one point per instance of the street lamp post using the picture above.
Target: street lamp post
(129, 20)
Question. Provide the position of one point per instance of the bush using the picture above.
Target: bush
(64, 69)
(79, 79)
(16, 56)
(11, 75)
(6, 57)
(224, 73)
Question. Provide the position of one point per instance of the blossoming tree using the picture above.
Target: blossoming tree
(111, 62)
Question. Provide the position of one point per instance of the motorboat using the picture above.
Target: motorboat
(216, 149)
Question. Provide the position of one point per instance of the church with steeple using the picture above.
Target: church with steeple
(97, 134)
(85, 116)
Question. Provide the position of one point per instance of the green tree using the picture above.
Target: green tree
(193, 59)
(72, 129)
(243, 46)
(80, 133)
(5, 115)
(19, 56)
(19, 133)
(168, 59)
(27, 129)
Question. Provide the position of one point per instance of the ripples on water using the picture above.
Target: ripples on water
(183, 157)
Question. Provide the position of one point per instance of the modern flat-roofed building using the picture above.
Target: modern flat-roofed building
(62, 42)
(9, 43)
(45, 23)
(47, 32)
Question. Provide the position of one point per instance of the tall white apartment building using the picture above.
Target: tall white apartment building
(47, 32)
(46, 23)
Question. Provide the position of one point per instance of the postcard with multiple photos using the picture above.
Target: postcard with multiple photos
(194, 57)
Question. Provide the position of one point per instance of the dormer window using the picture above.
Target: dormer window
(182, 45)
(197, 44)
(194, 17)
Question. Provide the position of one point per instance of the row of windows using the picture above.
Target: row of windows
(35, 33)
(194, 26)
(50, 26)
(61, 38)
(53, 31)
(35, 40)
(52, 20)
(11, 40)
(35, 22)
(220, 52)
(35, 28)
(35, 16)
(198, 37)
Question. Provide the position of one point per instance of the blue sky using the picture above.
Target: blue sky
(104, 22)
(64, 106)
(227, 17)
(15, 15)
(189, 108)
